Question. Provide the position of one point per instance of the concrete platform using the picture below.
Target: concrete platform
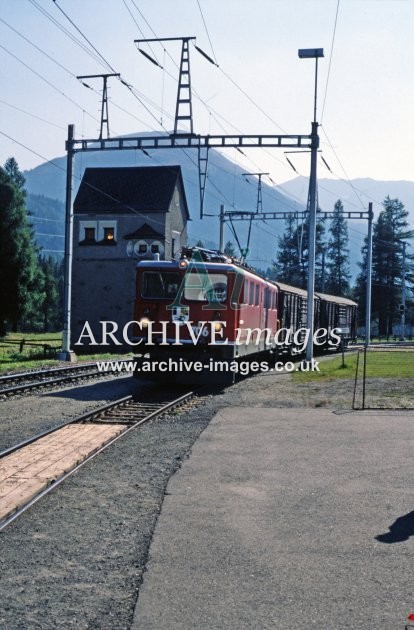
(287, 518)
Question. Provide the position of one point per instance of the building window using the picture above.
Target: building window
(142, 249)
(90, 235)
(155, 249)
(109, 234)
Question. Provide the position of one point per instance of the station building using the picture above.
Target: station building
(121, 215)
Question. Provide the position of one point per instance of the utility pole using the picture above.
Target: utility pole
(66, 353)
(402, 307)
(259, 201)
(221, 240)
(369, 277)
(323, 271)
(310, 316)
(104, 108)
(183, 107)
(184, 100)
(312, 53)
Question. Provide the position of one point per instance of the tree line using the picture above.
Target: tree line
(31, 284)
(392, 264)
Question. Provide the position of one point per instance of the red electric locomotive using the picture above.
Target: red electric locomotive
(198, 316)
(202, 309)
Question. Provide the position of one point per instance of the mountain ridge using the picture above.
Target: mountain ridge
(226, 184)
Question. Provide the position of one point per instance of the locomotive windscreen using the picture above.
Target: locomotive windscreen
(206, 287)
(157, 284)
(199, 287)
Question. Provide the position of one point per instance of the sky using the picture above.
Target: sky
(365, 86)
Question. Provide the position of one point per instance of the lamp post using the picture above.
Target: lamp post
(402, 305)
(66, 354)
(312, 53)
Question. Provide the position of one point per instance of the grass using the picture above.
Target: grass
(380, 364)
(32, 354)
(19, 349)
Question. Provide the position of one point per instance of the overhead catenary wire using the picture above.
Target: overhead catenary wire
(26, 39)
(200, 98)
(241, 89)
(46, 81)
(85, 37)
(326, 89)
(72, 74)
(211, 109)
(62, 169)
(208, 34)
(139, 29)
(330, 60)
(136, 7)
(64, 30)
(18, 109)
(102, 59)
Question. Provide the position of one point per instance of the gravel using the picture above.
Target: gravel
(22, 416)
(77, 557)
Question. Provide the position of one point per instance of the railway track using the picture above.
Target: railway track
(36, 466)
(26, 381)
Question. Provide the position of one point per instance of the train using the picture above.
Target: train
(206, 310)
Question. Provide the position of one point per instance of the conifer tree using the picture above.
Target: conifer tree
(18, 261)
(287, 266)
(389, 231)
(291, 263)
(50, 302)
(337, 254)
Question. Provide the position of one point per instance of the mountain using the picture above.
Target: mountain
(354, 194)
(47, 216)
(225, 184)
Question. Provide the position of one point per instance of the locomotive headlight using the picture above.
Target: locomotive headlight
(144, 321)
(183, 264)
(218, 326)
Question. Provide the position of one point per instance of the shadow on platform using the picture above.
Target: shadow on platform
(400, 530)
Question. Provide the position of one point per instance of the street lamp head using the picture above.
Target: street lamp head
(310, 53)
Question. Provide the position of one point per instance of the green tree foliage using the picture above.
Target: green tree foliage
(288, 266)
(337, 254)
(19, 275)
(291, 265)
(389, 231)
(51, 307)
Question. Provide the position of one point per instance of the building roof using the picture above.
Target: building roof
(120, 190)
(145, 231)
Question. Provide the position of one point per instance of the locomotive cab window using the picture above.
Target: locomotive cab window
(251, 294)
(162, 285)
(245, 293)
(202, 287)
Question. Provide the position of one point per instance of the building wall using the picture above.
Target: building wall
(103, 275)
